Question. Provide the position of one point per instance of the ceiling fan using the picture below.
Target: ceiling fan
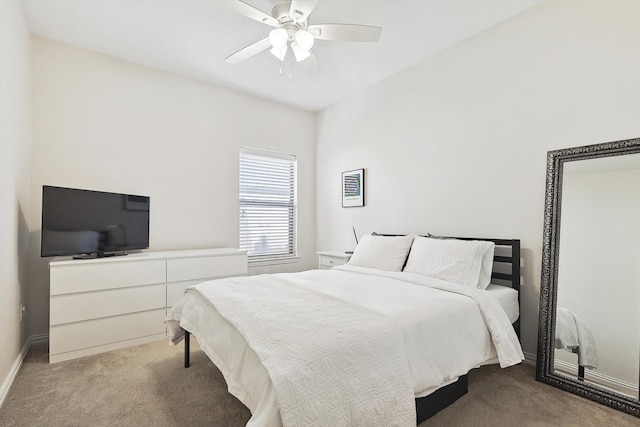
(293, 32)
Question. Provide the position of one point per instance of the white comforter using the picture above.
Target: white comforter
(573, 334)
(445, 334)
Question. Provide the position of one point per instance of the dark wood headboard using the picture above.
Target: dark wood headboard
(506, 266)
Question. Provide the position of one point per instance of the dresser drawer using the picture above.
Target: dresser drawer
(104, 304)
(206, 267)
(74, 278)
(92, 333)
(92, 305)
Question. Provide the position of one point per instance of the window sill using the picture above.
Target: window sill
(273, 261)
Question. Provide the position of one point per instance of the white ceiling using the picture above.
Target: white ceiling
(193, 37)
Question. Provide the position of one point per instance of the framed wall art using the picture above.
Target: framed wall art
(353, 188)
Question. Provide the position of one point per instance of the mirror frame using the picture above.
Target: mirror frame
(548, 287)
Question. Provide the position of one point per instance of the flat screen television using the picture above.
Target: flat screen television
(89, 224)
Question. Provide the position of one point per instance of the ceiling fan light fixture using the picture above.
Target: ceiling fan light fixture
(304, 39)
(279, 52)
(278, 38)
(290, 29)
(300, 53)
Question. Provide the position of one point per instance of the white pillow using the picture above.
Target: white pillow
(486, 267)
(381, 252)
(467, 263)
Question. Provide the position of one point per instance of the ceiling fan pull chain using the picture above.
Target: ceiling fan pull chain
(290, 67)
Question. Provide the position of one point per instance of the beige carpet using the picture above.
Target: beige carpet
(147, 386)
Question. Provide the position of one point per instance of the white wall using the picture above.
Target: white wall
(106, 124)
(15, 207)
(457, 144)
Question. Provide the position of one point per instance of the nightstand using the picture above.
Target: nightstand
(328, 259)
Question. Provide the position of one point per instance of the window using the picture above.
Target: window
(267, 205)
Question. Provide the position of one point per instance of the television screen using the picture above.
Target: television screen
(76, 222)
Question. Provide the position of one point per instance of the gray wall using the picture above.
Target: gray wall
(15, 202)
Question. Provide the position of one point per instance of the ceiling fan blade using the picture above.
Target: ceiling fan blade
(248, 51)
(300, 9)
(345, 32)
(250, 12)
(310, 65)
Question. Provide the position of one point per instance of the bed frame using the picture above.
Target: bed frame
(506, 266)
(506, 272)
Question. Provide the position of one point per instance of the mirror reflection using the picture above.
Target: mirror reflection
(597, 316)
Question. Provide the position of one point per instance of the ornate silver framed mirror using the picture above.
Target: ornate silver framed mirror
(589, 323)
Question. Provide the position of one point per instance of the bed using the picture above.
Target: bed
(387, 339)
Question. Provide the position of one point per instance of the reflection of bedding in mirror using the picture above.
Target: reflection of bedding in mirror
(599, 269)
(575, 336)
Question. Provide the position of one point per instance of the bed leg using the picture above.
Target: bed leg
(187, 342)
(580, 373)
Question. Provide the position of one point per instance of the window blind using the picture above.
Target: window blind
(267, 193)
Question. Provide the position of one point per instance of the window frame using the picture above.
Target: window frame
(291, 254)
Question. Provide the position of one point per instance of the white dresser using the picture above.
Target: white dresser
(103, 304)
(328, 259)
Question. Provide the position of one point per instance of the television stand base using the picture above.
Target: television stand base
(99, 255)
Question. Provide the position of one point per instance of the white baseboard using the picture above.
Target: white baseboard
(594, 376)
(598, 378)
(529, 358)
(6, 385)
(39, 338)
